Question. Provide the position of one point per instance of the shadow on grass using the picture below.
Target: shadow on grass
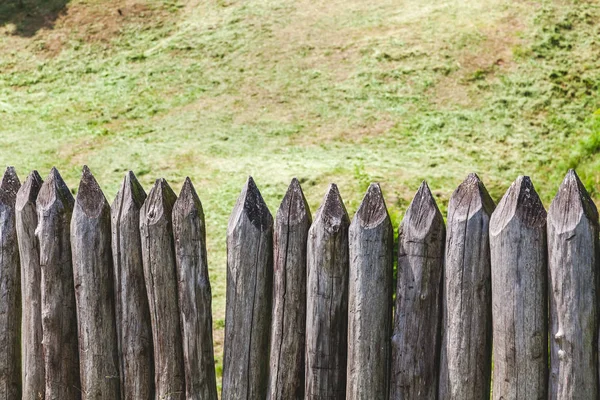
(29, 16)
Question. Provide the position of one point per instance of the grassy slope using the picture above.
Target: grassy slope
(348, 91)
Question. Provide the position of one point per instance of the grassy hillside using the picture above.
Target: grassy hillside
(347, 92)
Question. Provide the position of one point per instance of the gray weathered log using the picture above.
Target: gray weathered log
(519, 294)
(466, 358)
(10, 290)
(194, 295)
(160, 271)
(94, 291)
(32, 370)
(134, 329)
(293, 219)
(370, 290)
(59, 318)
(327, 300)
(416, 342)
(573, 292)
(249, 297)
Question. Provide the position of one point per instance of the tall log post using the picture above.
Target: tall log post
(249, 297)
(327, 300)
(134, 329)
(59, 318)
(94, 292)
(371, 254)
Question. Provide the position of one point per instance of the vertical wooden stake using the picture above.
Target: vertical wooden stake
(466, 361)
(519, 294)
(59, 318)
(327, 300)
(32, 376)
(416, 343)
(134, 329)
(10, 290)
(94, 291)
(371, 251)
(573, 269)
(160, 273)
(293, 219)
(194, 295)
(249, 297)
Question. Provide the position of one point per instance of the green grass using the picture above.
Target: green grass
(347, 92)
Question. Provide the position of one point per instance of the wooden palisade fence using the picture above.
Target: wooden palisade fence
(114, 302)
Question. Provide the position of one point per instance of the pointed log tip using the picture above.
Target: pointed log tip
(423, 200)
(30, 189)
(470, 192)
(521, 201)
(10, 185)
(372, 210)
(188, 197)
(253, 205)
(571, 197)
(293, 207)
(90, 197)
(55, 189)
(332, 209)
(130, 190)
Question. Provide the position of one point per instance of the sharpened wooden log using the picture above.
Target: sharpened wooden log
(94, 292)
(134, 329)
(466, 359)
(573, 270)
(327, 300)
(416, 342)
(10, 290)
(160, 271)
(194, 295)
(371, 252)
(32, 370)
(59, 318)
(292, 222)
(519, 294)
(249, 297)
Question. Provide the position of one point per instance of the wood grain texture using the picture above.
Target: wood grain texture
(59, 319)
(327, 300)
(249, 297)
(466, 358)
(32, 356)
(94, 291)
(134, 329)
(573, 271)
(292, 222)
(160, 272)
(10, 290)
(416, 341)
(194, 295)
(370, 290)
(519, 294)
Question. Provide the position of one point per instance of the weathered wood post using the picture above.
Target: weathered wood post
(59, 318)
(293, 219)
(249, 297)
(32, 375)
(466, 360)
(134, 330)
(327, 300)
(519, 294)
(416, 342)
(194, 295)
(10, 290)
(160, 272)
(94, 292)
(573, 270)
(371, 252)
